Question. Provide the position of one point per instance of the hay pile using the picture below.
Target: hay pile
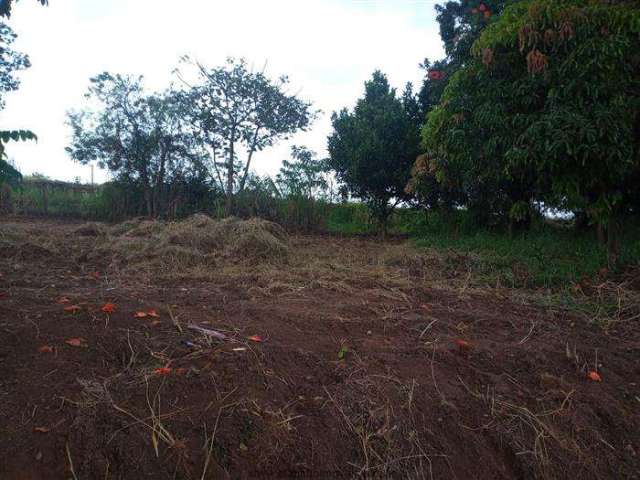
(17, 242)
(90, 230)
(198, 240)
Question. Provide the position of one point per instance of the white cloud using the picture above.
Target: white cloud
(328, 48)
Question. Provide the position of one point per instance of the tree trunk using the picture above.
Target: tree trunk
(581, 222)
(383, 229)
(159, 183)
(229, 202)
(383, 222)
(600, 230)
(613, 243)
(246, 167)
(148, 201)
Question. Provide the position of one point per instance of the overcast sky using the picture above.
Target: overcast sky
(328, 48)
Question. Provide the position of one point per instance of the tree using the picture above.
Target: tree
(581, 134)
(142, 138)
(371, 149)
(466, 139)
(10, 63)
(303, 176)
(237, 112)
(5, 7)
(461, 23)
(549, 108)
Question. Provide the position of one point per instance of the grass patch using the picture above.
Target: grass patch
(349, 219)
(545, 257)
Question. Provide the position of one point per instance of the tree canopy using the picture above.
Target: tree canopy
(303, 175)
(238, 112)
(372, 148)
(141, 137)
(11, 62)
(547, 109)
(461, 22)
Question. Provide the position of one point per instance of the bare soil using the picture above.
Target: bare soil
(376, 360)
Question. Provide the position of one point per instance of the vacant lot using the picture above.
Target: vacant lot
(263, 354)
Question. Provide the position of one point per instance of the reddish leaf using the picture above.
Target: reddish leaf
(109, 307)
(487, 14)
(63, 300)
(181, 371)
(40, 429)
(72, 308)
(153, 313)
(45, 349)
(255, 338)
(162, 371)
(436, 74)
(482, 7)
(76, 342)
(141, 315)
(594, 376)
(463, 345)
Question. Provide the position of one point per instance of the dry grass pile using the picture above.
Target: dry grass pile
(91, 229)
(18, 243)
(198, 240)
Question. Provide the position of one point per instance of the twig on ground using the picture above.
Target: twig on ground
(427, 328)
(71, 469)
(174, 320)
(533, 325)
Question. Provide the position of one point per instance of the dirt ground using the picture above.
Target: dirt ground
(375, 360)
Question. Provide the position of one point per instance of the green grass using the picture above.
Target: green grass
(349, 219)
(526, 260)
(544, 257)
(61, 203)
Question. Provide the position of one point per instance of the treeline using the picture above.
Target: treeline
(535, 108)
(191, 148)
(202, 133)
(263, 197)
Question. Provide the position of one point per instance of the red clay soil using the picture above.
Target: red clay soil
(351, 379)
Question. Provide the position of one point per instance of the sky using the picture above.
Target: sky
(327, 48)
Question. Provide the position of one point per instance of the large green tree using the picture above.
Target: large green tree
(238, 112)
(461, 22)
(548, 109)
(372, 148)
